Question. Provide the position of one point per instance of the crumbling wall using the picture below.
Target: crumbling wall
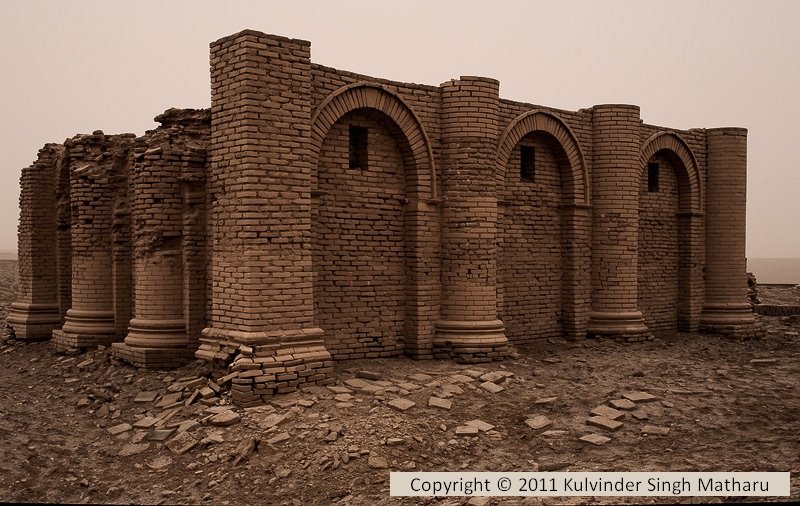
(35, 313)
(99, 241)
(167, 212)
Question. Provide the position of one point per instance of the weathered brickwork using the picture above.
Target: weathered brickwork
(359, 241)
(658, 244)
(531, 290)
(314, 215)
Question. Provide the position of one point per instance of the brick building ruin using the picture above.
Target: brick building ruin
(314, 215)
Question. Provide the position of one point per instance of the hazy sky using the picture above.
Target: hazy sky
(78, 66)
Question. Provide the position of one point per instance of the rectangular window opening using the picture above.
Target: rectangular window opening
(527, 163)
(652, 177)
(358, 148)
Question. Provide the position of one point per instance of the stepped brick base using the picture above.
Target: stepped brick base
(257, 372)
(152, 358)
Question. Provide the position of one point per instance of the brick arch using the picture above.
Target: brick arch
(689, 181)
(375, 96)
(576, 185)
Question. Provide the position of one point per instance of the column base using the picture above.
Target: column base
(158, 334)
(628, 326)
(730, 319)
(85, 329)
(268, 363)
(152, 358)
(470, 341)
(33, 322)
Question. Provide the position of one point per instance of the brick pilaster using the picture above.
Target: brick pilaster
(97, 164)
(726, 309)
(469, 329)
(615, 229)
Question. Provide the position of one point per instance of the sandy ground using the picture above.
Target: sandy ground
(87, 429)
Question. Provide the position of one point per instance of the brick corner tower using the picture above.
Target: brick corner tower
(262, 310)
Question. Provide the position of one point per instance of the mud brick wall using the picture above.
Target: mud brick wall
(314, 214)
(658, 245)
(417, 186)
(530, 306)
(359, 241)
(531, 243)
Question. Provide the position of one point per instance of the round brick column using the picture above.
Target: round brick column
(90, 320)
(615, 228)
(726, 309)
(35, 312)
(469, 329)
(157, 332)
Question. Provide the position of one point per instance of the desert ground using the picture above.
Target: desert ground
(88, 429)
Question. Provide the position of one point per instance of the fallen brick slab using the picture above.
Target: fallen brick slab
(595, 439)
(225, 419)
(604, 423)
(182, 443)
(607, 412)
(145, 423)
(119, 429)
(538, 422)
(169, 399)
(652, 429)
(145, 397)
(401, 404)
(494, 376)
(639, 397)
(460, 378)
(492, 388)
(625, 404)
(466, 430)
(358, 383)
(436, 402)
(480, 425)
(133, 449)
